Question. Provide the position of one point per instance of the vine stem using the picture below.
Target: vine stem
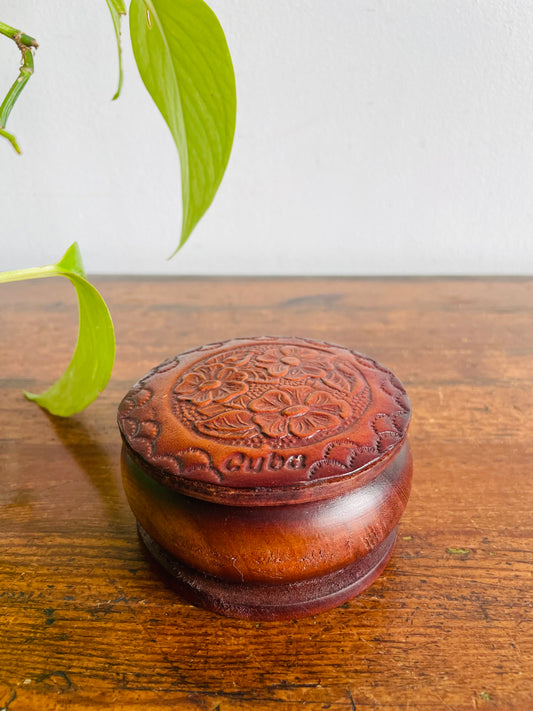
(17, 36)
(26, 45)
(30, 273)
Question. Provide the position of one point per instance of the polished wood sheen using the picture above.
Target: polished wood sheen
(271, 418)
(263, 462)
(88, 624)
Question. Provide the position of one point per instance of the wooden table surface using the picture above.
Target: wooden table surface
(86, 624)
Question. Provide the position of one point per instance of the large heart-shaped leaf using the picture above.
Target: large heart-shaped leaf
(90, 367)
(184, 61)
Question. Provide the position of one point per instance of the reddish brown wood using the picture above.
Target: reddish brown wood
(267, 601)
(272, 562)
(281, 413)
(277, 467)
(85, 622)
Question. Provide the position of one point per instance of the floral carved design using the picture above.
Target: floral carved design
(214, 383)
(272, 408)
(293, 363)
(301, 411)
(275, 392)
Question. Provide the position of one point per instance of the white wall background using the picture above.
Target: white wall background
(373, 137)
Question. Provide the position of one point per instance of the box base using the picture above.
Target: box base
(262, 601)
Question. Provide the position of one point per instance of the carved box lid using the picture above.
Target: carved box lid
(263, 415)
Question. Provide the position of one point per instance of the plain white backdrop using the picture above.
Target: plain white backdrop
(373, 137)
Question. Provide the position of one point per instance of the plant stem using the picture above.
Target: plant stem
(11, 138)
(26, 44)
(30, 273)
(26, 70)
(18, 36)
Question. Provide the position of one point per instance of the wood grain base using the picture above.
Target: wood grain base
(449, 625)
(270, 602)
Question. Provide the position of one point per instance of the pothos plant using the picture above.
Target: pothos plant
(184, 61)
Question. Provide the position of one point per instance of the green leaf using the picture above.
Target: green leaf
(90, 368)
(117, 8)
(185, 64)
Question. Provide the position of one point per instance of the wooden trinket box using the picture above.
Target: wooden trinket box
(267, 475)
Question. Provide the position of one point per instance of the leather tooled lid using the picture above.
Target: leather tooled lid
(263, 414)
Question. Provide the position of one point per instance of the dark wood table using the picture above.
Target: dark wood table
(86, 624)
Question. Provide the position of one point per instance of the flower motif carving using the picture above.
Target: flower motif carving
(299, 411)
(213, 383)
(268, 402)
(283, 392)
(294, 363)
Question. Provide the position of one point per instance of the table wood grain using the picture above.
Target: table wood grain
(85, 622)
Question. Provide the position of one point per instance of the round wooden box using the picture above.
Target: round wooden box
(267, 475)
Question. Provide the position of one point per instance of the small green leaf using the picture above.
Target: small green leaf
(458, 551)
(90, 368)
(117, 8)
(185, 64)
